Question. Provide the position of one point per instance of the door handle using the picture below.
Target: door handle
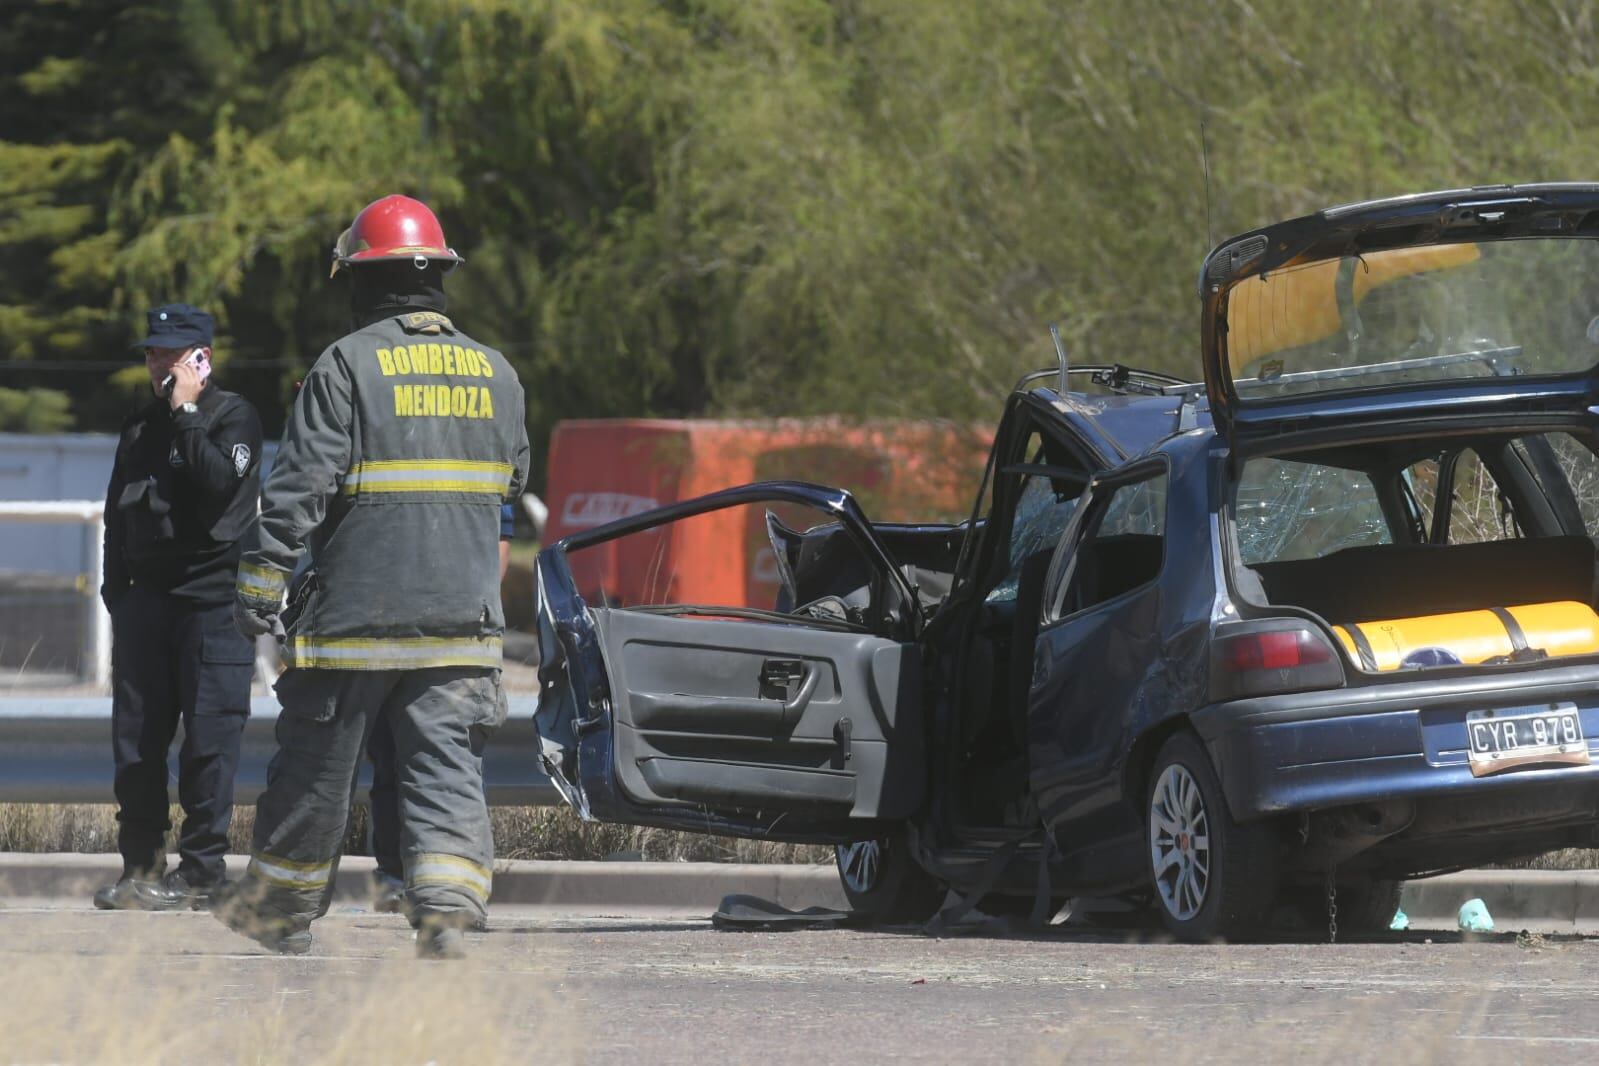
(780, 672)
(796, 706)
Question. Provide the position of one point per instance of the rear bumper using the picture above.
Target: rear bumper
(1318, 750)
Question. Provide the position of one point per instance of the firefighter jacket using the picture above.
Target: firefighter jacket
(404, 441)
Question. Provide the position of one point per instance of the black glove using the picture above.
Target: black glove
(253, 619)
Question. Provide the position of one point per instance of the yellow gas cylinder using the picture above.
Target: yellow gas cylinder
(1553, 629)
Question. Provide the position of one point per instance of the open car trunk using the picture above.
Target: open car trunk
(1394, 606)
(1424, 553)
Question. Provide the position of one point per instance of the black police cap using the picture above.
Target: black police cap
(177, 326)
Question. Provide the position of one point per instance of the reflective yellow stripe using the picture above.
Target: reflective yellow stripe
(399, 653)
(434, 868)
(472, 887)
(428, 475)
(445, 859)
(287, 873)
(427, 485)
(260, 583)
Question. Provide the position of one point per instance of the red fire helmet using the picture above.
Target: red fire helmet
(395, 227)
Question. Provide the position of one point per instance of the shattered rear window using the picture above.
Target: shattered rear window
(1286, 509)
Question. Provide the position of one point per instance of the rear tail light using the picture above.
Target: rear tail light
(1284, 648)
(1260, 659)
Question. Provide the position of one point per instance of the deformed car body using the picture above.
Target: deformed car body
(1321, 624)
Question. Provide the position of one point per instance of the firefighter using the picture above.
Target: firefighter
(383, 799)
(182, 495)
(404, 441)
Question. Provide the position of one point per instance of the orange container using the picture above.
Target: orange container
(602, 470)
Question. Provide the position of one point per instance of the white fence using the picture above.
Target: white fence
(96, 660)
(57, 749)
(97, 623)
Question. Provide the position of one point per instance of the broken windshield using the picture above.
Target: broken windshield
(1044, 508)
(1416, 314)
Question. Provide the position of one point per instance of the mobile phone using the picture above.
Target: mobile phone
(197, 359)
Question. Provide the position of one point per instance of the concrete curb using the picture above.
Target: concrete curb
(681, 887)
(1546, 901)
(1543, 901)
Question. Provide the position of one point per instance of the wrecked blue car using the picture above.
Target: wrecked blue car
(1226, 650)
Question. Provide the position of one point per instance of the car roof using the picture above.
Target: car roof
(1135, 424)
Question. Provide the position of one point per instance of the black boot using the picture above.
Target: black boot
(130, 892)
(183, 890)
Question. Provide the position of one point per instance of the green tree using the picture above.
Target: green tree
(707, 207)
(89, 85)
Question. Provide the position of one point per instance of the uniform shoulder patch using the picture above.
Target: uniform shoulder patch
(241, 459)
(426, 322)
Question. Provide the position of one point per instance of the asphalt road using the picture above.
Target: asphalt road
(82, 986)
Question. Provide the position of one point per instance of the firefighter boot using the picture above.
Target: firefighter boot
(439, 940)
(388, 894)
(277, 934)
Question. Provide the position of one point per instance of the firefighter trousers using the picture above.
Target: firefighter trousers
(440, 719)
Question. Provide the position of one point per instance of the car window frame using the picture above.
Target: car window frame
(1085, 523)
(978, 555)
(895, 609)
(1567, 511)
(1023, 472)
(1515, 481)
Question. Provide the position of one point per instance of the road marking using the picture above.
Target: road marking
(1533, 1039)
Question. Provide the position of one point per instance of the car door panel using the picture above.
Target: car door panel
(784, 725)
(691, 691)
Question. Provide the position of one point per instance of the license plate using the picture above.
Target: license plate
(1511, 739)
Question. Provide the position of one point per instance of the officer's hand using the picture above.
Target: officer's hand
(253, 620)
(186, 384)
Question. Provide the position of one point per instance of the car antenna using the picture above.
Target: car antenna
(1060, 353)
(1204, 165)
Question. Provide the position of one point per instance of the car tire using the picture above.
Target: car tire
(1213, 878)
(1365, 908)
(883, 881)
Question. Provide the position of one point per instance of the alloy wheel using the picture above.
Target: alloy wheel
(1179, 842)
(860, 864)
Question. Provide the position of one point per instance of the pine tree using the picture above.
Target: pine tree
(89, 85)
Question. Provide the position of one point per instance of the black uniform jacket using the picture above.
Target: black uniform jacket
(184, 490)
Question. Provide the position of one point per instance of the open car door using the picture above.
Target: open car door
(747, 679)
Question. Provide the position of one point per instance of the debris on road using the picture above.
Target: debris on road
(1474, 917)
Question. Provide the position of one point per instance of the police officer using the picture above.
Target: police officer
(404, 440)
(383, 798)
(182, 494)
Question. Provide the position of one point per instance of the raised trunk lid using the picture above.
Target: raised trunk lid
(1463, 303)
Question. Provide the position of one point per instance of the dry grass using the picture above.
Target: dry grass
(1564, 859)
(519, 833)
